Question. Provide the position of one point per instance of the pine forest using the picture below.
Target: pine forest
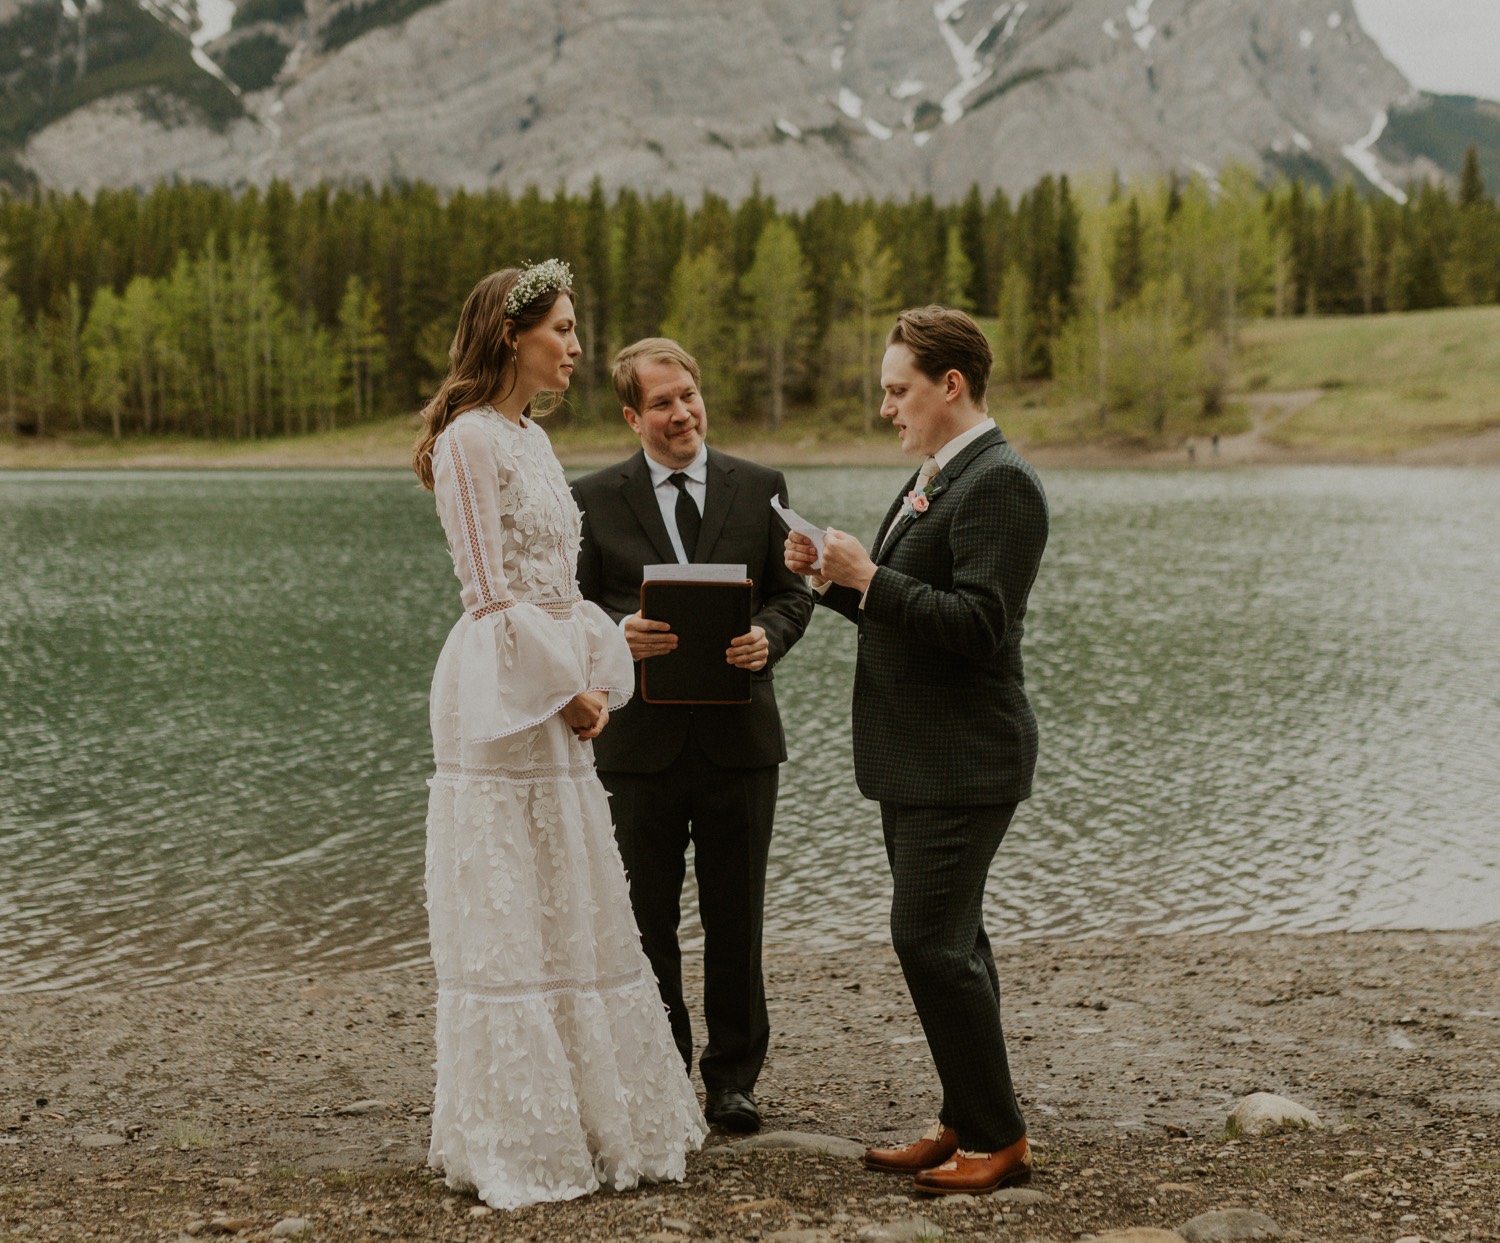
(196, 311)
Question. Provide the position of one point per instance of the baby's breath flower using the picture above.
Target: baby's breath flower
(536, 280)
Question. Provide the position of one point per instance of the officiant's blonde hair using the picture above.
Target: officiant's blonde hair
(625, 375)
(942, 339)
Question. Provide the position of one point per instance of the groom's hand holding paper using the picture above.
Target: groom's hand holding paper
(812, 534)
(695, 627)
(841, 559)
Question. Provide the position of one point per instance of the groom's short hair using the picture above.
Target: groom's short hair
(625, 375)
(942, 339)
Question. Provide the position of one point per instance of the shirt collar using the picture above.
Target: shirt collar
(961, 442)
(696, 470)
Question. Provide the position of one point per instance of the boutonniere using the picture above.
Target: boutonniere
(917, 502)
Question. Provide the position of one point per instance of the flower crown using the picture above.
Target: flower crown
(536, 280)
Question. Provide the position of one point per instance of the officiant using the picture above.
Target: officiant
(699, 774)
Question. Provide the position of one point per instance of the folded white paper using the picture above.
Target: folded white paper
(803, 527)
(707, 572)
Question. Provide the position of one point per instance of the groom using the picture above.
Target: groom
(944, 737)
(701, 773)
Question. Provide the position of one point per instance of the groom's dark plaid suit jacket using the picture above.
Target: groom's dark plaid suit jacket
(941, 716)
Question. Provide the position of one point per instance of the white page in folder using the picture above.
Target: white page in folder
(706, 572)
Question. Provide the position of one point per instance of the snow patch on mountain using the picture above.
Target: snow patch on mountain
(1138, 15)
(971, 70)
(1361, 155)
(215, 17)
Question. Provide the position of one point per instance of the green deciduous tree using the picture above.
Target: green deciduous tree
(780, 306)
(105, 360)
(701, 319)
(868, 278)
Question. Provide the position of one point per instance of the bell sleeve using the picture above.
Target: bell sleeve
(518, 664)
(611, 669)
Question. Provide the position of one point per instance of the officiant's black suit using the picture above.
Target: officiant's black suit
(945, 740)
(702, 772)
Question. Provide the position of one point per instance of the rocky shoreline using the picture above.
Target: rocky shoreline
(273, 1106)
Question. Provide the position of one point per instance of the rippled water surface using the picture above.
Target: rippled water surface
(1269, 700)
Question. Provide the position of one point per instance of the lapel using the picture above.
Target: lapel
(891, 516)
(717, 499)
(941, 482)
(641, 497)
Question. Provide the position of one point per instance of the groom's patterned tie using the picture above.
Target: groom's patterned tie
(924, 477)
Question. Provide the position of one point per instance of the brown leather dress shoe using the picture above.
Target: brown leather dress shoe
(977, 1173)
(934, 1148)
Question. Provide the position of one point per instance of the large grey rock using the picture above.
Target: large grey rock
(802, 1141)
(1137, 1234)
(289, 1228)
(1228, 1226)
(904, 1230)
(1264, 1112)
(356, 1108)
(102, 1140)
(1021, 1195)
(878, 97)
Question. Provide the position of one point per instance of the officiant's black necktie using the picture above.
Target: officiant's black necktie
(687, 515)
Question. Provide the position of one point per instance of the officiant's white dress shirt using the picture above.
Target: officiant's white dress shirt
(666, 493)
(666, 499)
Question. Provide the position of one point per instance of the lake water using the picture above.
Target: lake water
(1269, 700)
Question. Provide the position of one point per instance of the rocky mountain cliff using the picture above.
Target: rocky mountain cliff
(877, 97)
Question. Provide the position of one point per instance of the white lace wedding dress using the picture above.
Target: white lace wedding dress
(556, 1070)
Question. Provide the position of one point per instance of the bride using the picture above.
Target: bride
(556, 1069)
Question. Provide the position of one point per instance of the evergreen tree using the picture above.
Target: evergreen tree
(595, 289)
(12, 358)
(958, 274)
(979, 291)
(1473, 273)
(361, 347)
(1127, 267)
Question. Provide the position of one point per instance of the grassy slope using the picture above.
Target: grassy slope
(1390, 383)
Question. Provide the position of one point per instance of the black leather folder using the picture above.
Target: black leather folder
(704, 616)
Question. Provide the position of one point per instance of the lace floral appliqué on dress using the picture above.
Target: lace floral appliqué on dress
(556, 1070)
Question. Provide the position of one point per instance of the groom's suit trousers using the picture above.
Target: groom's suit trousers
(940, 858)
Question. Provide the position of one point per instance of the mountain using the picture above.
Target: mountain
(804, 97)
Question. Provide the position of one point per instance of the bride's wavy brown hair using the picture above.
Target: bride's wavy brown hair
(481, 359)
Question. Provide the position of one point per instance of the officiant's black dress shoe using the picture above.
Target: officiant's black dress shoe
(732, 1110)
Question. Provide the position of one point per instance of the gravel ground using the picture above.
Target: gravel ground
(231, 1107)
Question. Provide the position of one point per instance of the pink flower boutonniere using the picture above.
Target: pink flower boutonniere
(917, 502)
